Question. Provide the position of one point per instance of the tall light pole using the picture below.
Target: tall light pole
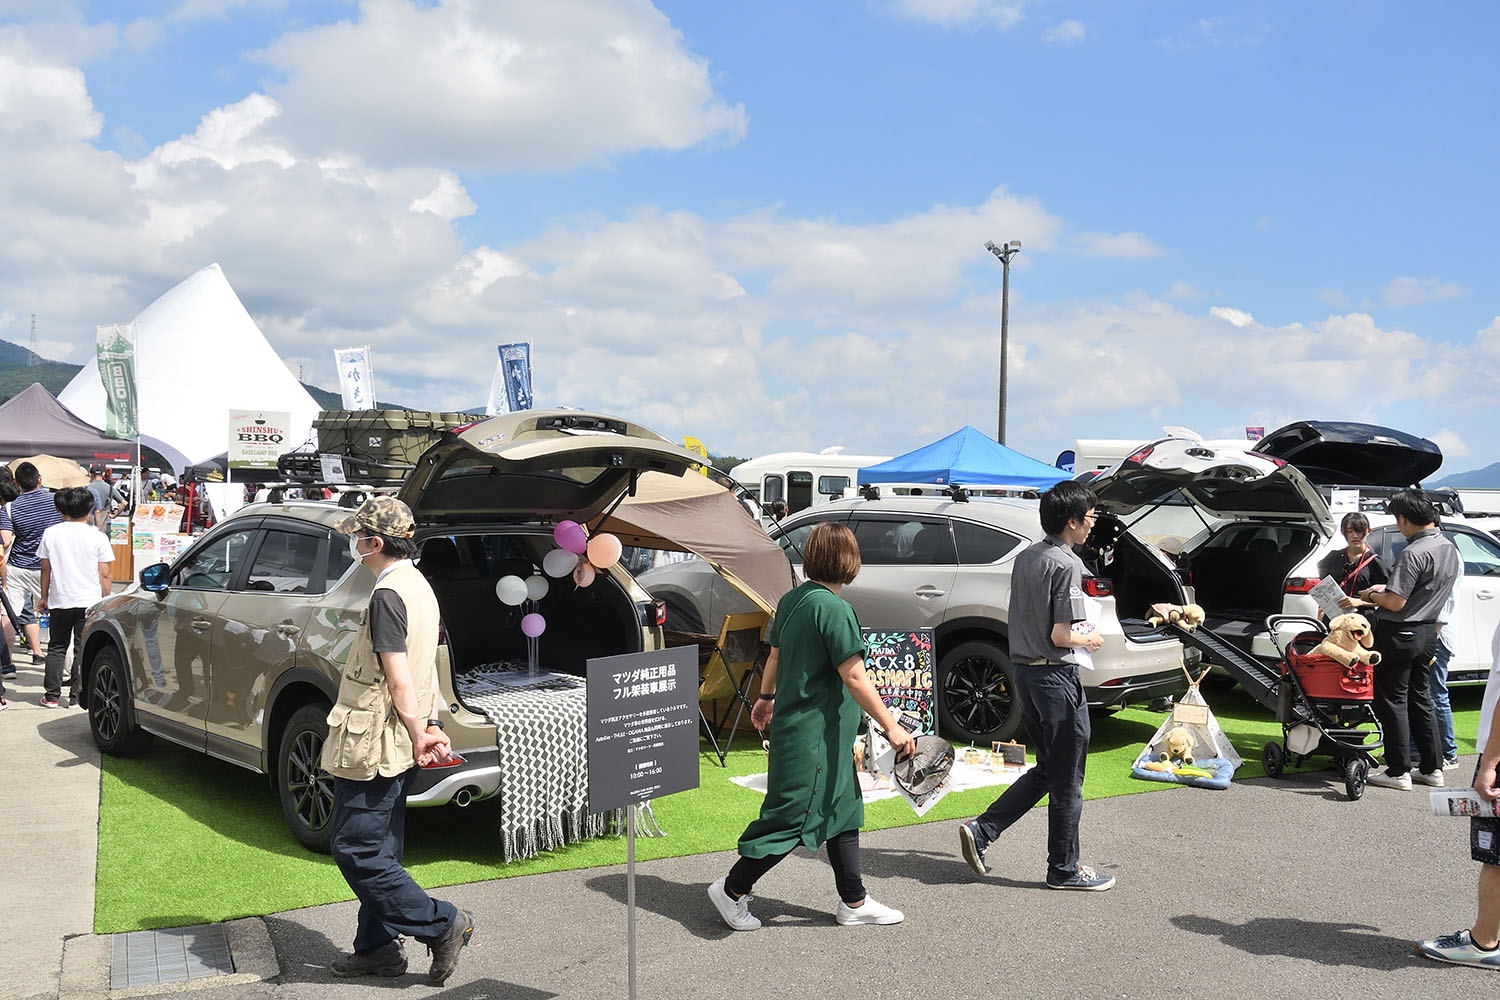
(1004, 253)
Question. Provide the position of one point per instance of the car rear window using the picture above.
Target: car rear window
(979, 545)
(904, 543)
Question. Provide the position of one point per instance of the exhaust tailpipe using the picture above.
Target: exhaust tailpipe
(463, 797)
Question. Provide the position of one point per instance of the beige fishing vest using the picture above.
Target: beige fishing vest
(365, 735)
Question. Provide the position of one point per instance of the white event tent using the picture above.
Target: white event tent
(198, 354)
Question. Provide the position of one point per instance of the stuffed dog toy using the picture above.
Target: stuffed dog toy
(1189, 616)
(1350, 640)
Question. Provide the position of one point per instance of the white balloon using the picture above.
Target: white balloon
(536, 587)
(559, 563)
(511, 590)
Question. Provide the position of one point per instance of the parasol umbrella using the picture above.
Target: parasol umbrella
(57, 473)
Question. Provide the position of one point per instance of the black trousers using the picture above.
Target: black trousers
(1403, 697)
(369, 837)
(64, 631)
(1057, 719)
(843, 855)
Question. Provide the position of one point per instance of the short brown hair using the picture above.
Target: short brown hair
(831, 554)
(1354, 520)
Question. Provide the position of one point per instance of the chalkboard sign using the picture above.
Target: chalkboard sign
(900, 665)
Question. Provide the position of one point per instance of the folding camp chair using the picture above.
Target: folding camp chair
(729, 672)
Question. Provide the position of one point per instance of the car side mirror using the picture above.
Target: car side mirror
(154, 578)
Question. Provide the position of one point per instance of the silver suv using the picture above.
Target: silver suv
(931, 562)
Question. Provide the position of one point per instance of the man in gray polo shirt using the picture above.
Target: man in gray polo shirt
(1046, 601)
(1411, 607)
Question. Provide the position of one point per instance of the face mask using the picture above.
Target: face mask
(354, 552)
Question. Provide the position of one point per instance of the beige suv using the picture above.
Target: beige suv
(235, 649)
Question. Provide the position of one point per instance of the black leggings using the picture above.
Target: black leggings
(843, 855)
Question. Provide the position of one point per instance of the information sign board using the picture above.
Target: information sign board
(642, 726)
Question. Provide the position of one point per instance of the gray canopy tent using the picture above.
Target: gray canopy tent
(32, 422)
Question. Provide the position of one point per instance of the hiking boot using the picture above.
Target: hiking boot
(1385, 779)
(387, 960)
(736, 912)
(1434, 778)
(871, 911)
(1085, 879)
(1460, 949)
(972, 841)
(446, 948)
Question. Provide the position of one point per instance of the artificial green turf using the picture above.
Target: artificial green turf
(185, 839)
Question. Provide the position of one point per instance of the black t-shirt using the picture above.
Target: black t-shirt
(1355, 576)
(388, 622)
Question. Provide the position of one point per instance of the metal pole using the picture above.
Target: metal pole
(1004, 338)
(630, 891)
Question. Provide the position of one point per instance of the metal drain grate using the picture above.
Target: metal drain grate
(174, 955)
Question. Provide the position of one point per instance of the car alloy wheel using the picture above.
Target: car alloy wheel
(306, 789)
(976, 693)
(110, 721)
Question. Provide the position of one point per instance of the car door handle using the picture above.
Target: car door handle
(201, 625)
(1484, 595)
(287, 629)
(929, 591)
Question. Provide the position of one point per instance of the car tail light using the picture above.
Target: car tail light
(1098, 586)
(659, 612)
(1140, 456)
(1301, 584)
(442, 634)
(1115, 682)
(454, 760)
(1280, 463)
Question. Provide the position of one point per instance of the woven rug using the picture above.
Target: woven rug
(544, 779)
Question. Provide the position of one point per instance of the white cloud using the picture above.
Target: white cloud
(496, 87)
(1069, 32)
(1404, 291)
(1180, 290)
(1334, 297)
(1451, 442)
(1000, 14)
(1127, 245)
(1237, 317)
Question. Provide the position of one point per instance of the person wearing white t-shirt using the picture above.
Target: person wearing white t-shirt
(1479, 945)
(75, 573)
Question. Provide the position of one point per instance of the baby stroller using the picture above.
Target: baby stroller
(1323, 706)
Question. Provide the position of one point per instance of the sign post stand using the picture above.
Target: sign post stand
(643, 742)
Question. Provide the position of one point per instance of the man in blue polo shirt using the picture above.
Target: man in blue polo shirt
(21, 527)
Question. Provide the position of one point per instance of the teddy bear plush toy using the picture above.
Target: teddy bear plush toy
(1177, 745)
(1189, 616)
(1350, 640)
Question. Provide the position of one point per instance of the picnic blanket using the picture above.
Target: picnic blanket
(544, 779)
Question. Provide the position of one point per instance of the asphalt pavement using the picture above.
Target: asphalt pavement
(1271, 889)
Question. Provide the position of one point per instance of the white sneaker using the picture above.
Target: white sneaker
(1433, 778)
(872, 911)
(1384, 779)
(736, 912)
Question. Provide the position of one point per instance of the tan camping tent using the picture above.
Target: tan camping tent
(692, 514)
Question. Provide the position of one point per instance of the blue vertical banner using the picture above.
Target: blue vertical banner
(356, 377)
(515, 370)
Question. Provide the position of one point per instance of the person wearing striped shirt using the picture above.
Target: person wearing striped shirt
(21, 527)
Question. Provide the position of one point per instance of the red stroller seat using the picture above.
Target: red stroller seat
(1325, 679)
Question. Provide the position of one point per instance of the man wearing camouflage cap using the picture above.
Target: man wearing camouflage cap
(384, 725)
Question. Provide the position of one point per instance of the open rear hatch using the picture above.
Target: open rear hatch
(537, 465)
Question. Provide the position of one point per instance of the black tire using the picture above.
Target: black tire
(681, 616)
(975, 690)
(1273, 759)
(1356, 771)
(305, 789)
(111, 716)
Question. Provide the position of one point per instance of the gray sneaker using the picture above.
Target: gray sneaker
(1085, 879)
(972, 842)
(1460, 949)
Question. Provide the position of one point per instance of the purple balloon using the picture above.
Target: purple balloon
(533, 625)
(571, 536)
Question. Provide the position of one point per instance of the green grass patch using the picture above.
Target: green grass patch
(186, 839)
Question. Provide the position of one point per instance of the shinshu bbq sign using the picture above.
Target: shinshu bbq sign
(257, 438)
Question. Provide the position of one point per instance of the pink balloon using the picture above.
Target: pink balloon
(570, 535)
(604, 551)
(583, 575)
(533, 625)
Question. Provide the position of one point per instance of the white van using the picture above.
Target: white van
(801, 478)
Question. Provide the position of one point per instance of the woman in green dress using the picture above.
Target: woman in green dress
(815, 683)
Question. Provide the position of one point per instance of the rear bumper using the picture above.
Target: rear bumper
(1133, 690)
(479, 774)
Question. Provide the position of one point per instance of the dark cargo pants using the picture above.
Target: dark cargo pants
(1057, 719)
(369, 838)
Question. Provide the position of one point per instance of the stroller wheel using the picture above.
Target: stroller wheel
(1356, 770)
(1273, 759)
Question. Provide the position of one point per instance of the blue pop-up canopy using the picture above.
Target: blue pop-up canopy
(968, 458)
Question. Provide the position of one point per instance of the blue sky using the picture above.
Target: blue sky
(763, 224)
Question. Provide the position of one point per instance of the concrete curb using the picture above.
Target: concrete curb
(85, 964)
